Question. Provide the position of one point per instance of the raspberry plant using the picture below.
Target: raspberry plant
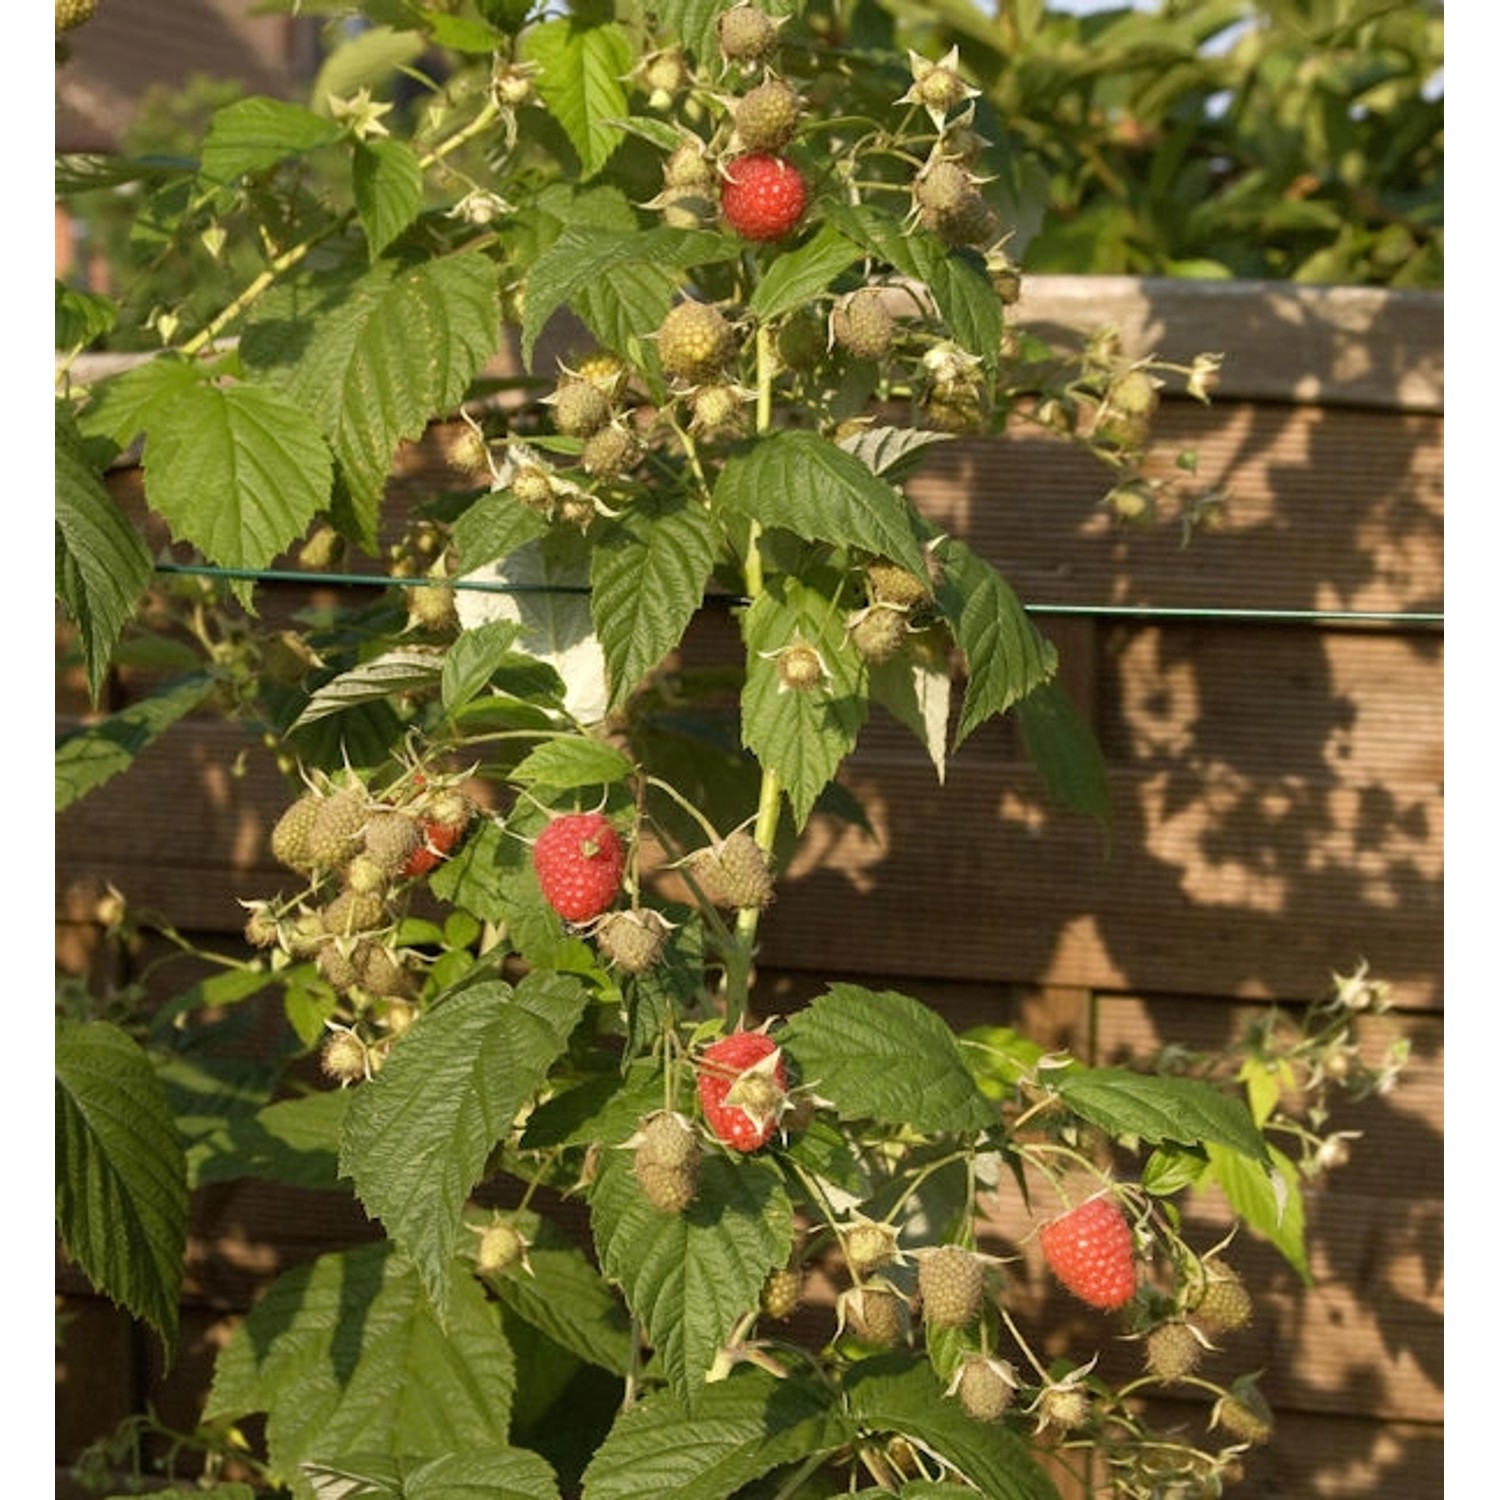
(608, 1183)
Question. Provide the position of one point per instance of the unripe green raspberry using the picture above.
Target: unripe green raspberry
(686, 207)
(1224, 1304)
(71, 14)
(782, 1293)
(799, 667)
(746, 34)
(1242, 1412)
(892, 584)
(1063, 1406)
(951, 1281)
(668, 1154)
(500, 1247)
(381, 973)
(532, 486)
(873, 1313)
(765, 119)
(985, 1387)
(719, 411)
(695, 341)
(390, 839)
(289, 836)
(802, 340)
(878, 633)
(864, 324)
(337, 967)
(942, 187)
(580, 408)
(352, 912)
(345, 1057)
(609, 452)
(869, 1246)
(632, 940)
(432, 606)
(262, 930)
(336, 830)
(1173, 1352)
(688, 166)
(736, 874)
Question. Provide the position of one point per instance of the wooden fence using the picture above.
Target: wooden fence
(1269, 702)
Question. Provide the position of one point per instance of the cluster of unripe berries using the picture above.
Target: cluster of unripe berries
(358, 854)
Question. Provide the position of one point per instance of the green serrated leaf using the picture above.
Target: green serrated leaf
(919, 696)
(585, 259)
(567, 764)
(816, 490)
(648, 570)
(294, 1141)
(565, 1297)
(372, 358)
(891, 451)
(472, 660)
(1156, 1108)
(802, 736)
(88, 757)
(605, 1108)
(736, 1431)
(1060, 744)
(80, 317)
(1171, 1168)
(494, 525)
(121, 1177)
(101, 563)
(1007, 657)
(387, 180)
(418, 1134)
(801, 274)
(237, 470)
(1268, 1199)
(408, 669)
(582, 68)
(690, 1277)
(473, 876)
(898, 1393)
(252, 135)
(882, 1056)
(348, 1356)
(486, 1474)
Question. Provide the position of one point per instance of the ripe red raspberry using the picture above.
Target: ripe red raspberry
(763, 196)
(579, 861)
(1091, 1252)
(742, 1088)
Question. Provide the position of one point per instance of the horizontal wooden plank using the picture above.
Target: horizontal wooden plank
(1325, 509)
(1335, 345)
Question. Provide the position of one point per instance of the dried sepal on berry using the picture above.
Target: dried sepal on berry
(984, 1386)
(633, 940)
(743, 1089)
(874, 1312)
(345, 1056)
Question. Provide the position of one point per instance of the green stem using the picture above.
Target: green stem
(768, 811)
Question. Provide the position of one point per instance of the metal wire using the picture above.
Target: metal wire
(1088, 611)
